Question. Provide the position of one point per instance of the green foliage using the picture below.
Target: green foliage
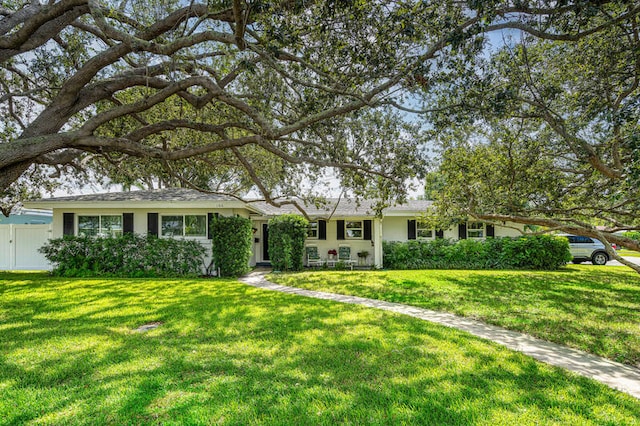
(287, 234)
(543, 252)
(634, 235)
(129, 255)
(341, 266)
(335, 54)
(434, 185)
(558, 137)
(544, 130)
(231, 245)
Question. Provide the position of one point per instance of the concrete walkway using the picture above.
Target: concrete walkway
(613, 374)
(629, 258)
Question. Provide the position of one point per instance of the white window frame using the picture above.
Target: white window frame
(482, 230)
(101, 232)
(347, 229)
(184, 226)
(422, 227)
(313, 232)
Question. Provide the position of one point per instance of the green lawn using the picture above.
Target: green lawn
(596, 309)
(227, 353)
(630, 253)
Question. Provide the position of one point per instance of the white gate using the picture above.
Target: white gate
(5, 249)
(19, 246)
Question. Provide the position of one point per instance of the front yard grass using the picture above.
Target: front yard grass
(596, 309)
(226, 353)
(629, 253)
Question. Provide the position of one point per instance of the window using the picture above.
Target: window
(172, 226)
(184, 226)
(353, 229)
(475, 230)
(195, 226)
(423, 231)
(578, 239)
(312, 231)
(100, 226)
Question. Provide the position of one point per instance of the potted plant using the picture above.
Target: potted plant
(332, 254)
(362, 257)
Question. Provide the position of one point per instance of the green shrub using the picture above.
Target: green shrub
(538, 252)
(287, 234)
(129, 255)
(634, 235)
(231, 248)
(526, 252)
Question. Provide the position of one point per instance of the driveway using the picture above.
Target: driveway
(629, 258)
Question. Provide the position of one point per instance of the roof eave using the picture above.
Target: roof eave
(131, 204)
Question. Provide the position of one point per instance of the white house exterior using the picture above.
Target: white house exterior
(185, 213)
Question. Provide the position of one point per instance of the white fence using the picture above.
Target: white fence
(19, 246)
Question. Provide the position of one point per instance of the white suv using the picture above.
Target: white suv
(585, 249)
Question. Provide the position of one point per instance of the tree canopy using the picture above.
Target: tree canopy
(547, 132)
(222, 96)
(226, 95)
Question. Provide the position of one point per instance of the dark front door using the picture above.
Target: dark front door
(265, 242)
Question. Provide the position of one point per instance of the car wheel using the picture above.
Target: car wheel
(599, 258)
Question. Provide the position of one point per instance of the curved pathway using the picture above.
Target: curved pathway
(618, 376)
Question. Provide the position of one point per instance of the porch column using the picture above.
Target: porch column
(377, 238)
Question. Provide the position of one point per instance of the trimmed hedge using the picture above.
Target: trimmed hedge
(287, 234)
(231, 245)
(543, 252)
(130, 255)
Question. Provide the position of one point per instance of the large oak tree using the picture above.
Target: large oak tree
(547, 133)
(231, 95)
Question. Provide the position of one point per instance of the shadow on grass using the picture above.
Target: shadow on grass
(591, 308)
(230, 354)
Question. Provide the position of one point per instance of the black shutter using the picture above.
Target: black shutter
(209, 227)
(322, 229)
(439, 233)
(462, 231)
(340, 234)
(411, 229)
(152, 224)
(127, 223)
(68, 224)
(367, 230)
(265, 241)
(491, 231)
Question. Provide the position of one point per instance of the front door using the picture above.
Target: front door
(265, 242)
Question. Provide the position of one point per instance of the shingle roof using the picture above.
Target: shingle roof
(343, 207)
(334, 207)
(169, 194)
